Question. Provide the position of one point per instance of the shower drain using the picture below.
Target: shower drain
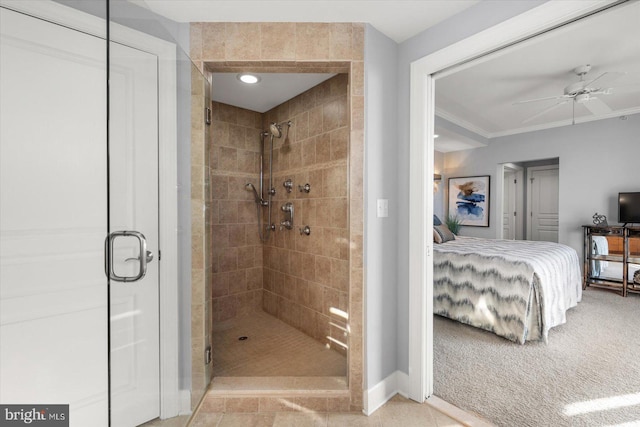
(242, 338)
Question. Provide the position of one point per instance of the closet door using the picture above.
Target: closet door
(543, 202)
(53, 218)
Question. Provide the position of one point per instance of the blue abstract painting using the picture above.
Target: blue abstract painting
(469, 200)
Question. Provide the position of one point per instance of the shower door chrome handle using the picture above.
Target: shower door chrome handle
(144, 256)
(149, 258)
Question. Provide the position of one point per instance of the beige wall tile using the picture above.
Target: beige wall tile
(195, 41)
(341, 40)
(357, 44)
(334, 114)
(213, 41)
(242, 41)
(278, 41)
(312, 41)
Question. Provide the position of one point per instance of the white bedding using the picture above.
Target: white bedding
(514, 288)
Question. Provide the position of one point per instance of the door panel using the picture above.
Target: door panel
(544, 203)
(133, 176)
(53, 218)
(509, 206)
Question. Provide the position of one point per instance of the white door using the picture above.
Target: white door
(54, 310)
(509, 205)
(542, 202)
(53, 218)
(133, 154)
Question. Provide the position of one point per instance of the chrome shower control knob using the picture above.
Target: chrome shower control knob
(288, 185)
(305, 230)
(306, 188)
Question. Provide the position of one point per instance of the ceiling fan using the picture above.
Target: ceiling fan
(581, 92)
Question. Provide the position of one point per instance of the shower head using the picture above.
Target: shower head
(251, 187)
(275, 129)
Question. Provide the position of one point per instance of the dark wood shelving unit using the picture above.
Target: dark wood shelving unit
(629, 254)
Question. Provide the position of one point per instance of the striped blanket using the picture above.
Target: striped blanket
(516, 289)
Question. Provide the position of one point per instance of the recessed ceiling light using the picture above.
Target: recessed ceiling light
(248, 78)
(436, 135)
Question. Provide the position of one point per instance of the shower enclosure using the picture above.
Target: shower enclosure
(283, 273)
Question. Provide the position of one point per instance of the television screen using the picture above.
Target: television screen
(629, 207)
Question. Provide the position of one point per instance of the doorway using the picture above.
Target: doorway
(421, 165)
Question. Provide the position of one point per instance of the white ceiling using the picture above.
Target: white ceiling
(272, 90)
(397, 19)
(480, 96)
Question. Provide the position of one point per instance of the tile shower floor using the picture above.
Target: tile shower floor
(272, 349)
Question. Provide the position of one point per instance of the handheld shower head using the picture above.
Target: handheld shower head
(250, 187)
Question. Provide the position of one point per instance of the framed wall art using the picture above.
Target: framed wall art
(469, 200)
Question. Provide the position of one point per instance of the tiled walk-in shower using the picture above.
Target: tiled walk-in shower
(287, 291)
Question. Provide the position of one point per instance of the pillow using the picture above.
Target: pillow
(442, 234)
(436, 220)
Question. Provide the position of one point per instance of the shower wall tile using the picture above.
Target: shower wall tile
(357, 112)
(242, 41)
(341, 40)
(213, 40)
(238, 279)
(278, 41)
(312, 41)
(337, 137)
(195, 41)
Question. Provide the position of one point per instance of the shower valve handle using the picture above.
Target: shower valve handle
(285, 224)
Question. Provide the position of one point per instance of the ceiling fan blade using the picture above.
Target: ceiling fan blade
(604, 80)
(624, 89)
(545, 111)
(597, 106)
(541, 99)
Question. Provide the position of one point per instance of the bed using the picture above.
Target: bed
(516, 289)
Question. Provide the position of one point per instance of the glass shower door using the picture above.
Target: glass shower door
(53, 210)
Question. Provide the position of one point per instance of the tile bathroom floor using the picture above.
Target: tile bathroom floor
(272, 348)
(398, 412)
(275, 349)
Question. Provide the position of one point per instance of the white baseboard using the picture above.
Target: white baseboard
(185, 402)
(379, 394)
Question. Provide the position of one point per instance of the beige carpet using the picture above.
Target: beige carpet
(272, 348)
(587, 375)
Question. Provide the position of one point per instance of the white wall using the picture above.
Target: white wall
(380, 183)
(597, 160)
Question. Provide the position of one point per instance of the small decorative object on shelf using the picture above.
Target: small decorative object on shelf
(600, 220)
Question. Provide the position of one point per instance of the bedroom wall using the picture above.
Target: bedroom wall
(597, 160)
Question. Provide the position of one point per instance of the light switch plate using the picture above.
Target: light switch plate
(383, 208)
